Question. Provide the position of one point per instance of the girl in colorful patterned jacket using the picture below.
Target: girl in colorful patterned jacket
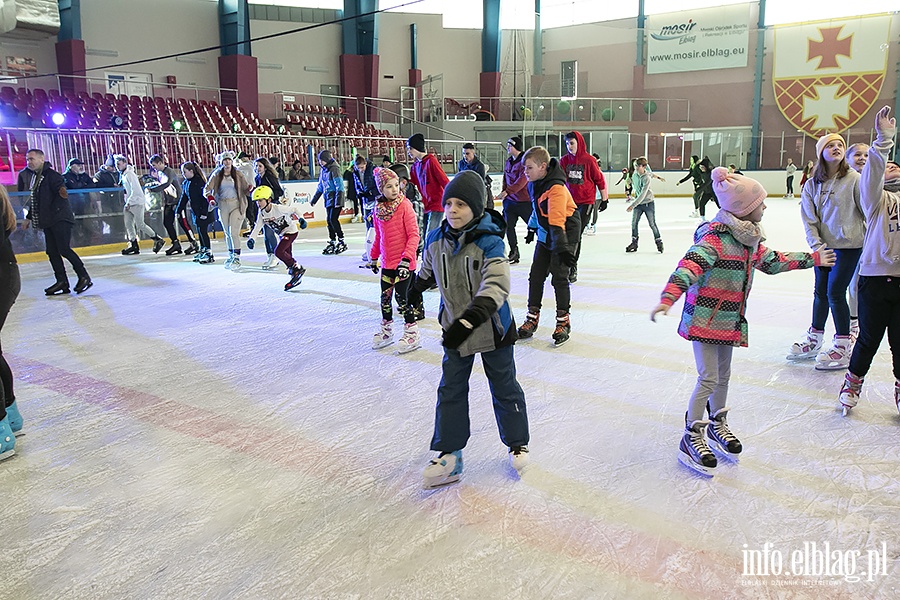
(717, 273)
(396, 243)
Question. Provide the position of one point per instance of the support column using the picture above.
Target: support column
(70, 56)
(489, 83)
(753, 157)
(359, 78)
(640, 69)
(359, 63)
(240, 72)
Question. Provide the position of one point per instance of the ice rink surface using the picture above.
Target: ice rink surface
(197, 433)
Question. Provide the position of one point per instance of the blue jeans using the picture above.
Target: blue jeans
(648, 209)
(433, 221)
(451, 415)
(831, 291)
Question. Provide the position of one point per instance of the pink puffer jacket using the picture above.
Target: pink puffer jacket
(396, 233)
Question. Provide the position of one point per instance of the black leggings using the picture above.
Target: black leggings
(334, 222)
(879, 310)
(547, 263)
(512, 212)
(704, 198)
(202, 221)
(390, 287)
(11, 286)
(181, 213)
(169, 222)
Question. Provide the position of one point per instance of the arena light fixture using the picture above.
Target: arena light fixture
(58, 118)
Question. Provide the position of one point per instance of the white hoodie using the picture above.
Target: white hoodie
(134, 193)
(881, 250)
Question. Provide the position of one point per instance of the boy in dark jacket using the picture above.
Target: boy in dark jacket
(465, 258)
(557, 223)
(49, 209)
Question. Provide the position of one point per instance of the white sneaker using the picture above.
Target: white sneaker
(518, 457)
(836, 358)
(270, 262)
(410, 339)
(807, 347)
(443, 470)
(385, 337)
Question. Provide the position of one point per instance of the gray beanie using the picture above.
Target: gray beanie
(325, 155)
(467, 186)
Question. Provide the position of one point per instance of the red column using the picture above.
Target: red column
(490, 92)
(70, 60)
(359, 78)
(238, 71)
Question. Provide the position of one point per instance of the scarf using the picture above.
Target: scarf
(892, 186)
(746, 232)
(385, 208)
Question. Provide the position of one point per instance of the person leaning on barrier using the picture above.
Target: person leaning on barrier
(107, 176)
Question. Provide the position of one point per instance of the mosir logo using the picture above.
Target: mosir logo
(673, 32)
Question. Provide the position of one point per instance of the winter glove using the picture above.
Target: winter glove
(403, 269)
(413, 297)
(568, 259)
(529, 237)
(211, 199)
(372, 264)
(250, 243)
(301, 223)
(458, 332)
(603, 205)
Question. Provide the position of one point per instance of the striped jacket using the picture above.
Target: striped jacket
(717, 273)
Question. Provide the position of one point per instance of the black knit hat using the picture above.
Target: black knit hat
(516, 141)
(417, 142)
(325, 156)
(467, 186)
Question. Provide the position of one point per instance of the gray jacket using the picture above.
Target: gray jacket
(881, 251)
(832, 214)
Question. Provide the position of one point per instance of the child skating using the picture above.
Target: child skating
(466, 258)
(284, 220)
(557, 223)
(396, 241)
(716, 274)
(879, 267)
(642, 204)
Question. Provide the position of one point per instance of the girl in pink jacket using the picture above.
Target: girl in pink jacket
(396, 242)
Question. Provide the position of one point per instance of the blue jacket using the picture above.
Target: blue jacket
(331, 184)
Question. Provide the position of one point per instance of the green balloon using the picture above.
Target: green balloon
(563, 107)
(649, 107)
(608, 114)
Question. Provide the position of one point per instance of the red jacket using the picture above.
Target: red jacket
(396, 233)
(431, 180)
(583, 174)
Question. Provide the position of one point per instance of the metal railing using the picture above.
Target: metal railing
(613, 110)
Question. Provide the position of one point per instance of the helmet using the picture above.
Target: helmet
(263, 192)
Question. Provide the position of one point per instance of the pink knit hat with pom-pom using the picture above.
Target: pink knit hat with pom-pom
(382, 176)
(737, 194)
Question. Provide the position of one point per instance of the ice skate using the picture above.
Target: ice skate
(201, 252)
(530, 325)
(573, 274)
(341, 246)
(514, 256)
(192, 249)
(83, 284)
(15, 419)
(836, 358)
(896, 396)
(659, 245)
(562, 331)
(175, 248)
(720, 437)
(590, 230)
(296, 275)
(329, 248)
(229, 260)
(236, 263)
(206, 257)
(443, 470)
(694, 452)
(60, 287)
(849, 396)
(633, 246)
(270, 263)
(694, 214)
(8, 440)
(409, 341)
(807, 347)
(385, 337)
(518, 457)
(158, 243)
(132, 248)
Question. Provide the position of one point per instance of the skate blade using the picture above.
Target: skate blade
(438, 482)
(690, 464)
(795, 357)
(831, 367)
(845, 410)
(556, 344)
(8, 454)
(381, 345)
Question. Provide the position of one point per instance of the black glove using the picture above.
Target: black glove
(603, 205)
(413, 297)
(403, 269)
(372, 264)
(458, 332)
(250, 243)
(568, 259)
(529, 237)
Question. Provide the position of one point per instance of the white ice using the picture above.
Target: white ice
(197, 433)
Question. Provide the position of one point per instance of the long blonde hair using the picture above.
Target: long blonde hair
(7, 215)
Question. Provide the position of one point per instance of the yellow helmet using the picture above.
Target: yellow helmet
(263, 192)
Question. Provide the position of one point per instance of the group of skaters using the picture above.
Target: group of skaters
(426, 231)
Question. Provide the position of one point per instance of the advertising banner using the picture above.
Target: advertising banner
(828, 74)
(698, 40)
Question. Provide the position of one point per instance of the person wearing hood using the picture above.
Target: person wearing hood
(556, 221)
(49, 210)
(879, 265)
(331, 185)
(135, 204)
(466, 259)
(429, 178)
(583, 177)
